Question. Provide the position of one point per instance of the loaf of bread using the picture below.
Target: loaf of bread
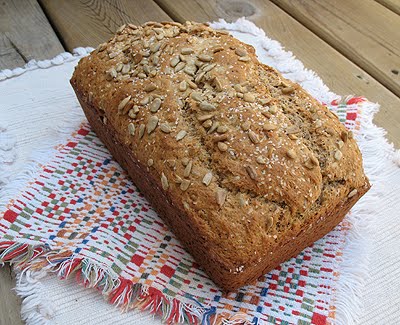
(245, 167)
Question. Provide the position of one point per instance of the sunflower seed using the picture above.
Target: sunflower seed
(246, 125)
(287, 90)
(196, 96)
(123, 103)
(265, 101)
(182, 57)
(202, 118)
(222, 146)
(207, 178)
(241, 52)
(190, 69)
(199, 77)
(260, 160)
(352, 193)
(126, 68)
(239, 95)
(242, 201)
(155, 47)
(273, 109)
(338, 155)
(248, 97)
(142, 75)
(186, 50)
(293, 129)
(205, 106)
(118, 67)
(174, 61)
(244, 59)
(192, 84)
(183, 86)
(308, 164)
(253, 137)
(269, 127)
(164, 127)
(131, 128)
(213, 127)
(153, 73)
(216, 49)
(164, 182)
(119, 30)
(171, 163)
(208, 67)
(150, 162)
(207, 124)
(152, 124)
(111, 74)
(179, 66)
(350, 135)
(291, 154)
(188, 169)
(238, 88)
(184, 184)
(145, 100)
(252, 172)
(218, 85)
(112, 55)
(145, 53)
(181, 134)
(340, 144)
(222, 129)
(142, 127)
(269, 222)
(221, 195)
(205, 57)
(155, 105)
(102, 47)
(150, 87)
(318, 123)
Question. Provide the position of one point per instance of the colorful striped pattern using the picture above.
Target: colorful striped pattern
(82, 214)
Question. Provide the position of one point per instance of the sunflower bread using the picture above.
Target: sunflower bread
(245, 166)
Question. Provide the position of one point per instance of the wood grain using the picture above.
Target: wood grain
(340, 74)
(393, 5)
(25, 34)
(9, 56)
(363, 30)
(10, 303)
(89, 23)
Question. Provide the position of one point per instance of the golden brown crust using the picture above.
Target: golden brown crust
(238, 160)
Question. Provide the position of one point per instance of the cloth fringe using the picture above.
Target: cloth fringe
(32, 261)
(45, 64)
(379, 158)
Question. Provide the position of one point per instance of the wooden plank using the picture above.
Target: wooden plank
(393, 5)
(364, 31)
(25, 34)
(89, 23)
(10, 303)
(9, 56)
(340, 74)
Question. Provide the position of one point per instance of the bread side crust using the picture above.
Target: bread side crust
(188, 231)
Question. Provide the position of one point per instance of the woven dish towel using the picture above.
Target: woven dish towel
(80, 216)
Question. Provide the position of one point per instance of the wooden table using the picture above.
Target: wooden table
(354, 46)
